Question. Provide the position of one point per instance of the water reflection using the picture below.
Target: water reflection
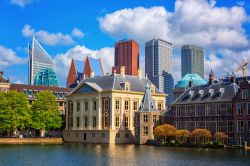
(94, 154)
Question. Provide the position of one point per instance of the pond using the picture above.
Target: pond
(95, 154)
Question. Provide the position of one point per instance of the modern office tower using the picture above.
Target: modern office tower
(159, 66)
(41, 66)
(126, 54)
(192, 60)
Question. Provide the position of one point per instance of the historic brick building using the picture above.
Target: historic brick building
(241, 113)
(126, 54)
(207, 106)
(102, 109)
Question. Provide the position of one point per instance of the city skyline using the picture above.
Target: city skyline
(93, 30)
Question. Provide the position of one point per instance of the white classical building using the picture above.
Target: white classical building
(101, 109)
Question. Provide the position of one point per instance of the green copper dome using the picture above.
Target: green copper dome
(196, 80)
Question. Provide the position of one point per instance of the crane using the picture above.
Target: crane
(242, 67)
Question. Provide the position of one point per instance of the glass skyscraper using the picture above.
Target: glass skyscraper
(159, 66)
(41, 66)
(192, 60)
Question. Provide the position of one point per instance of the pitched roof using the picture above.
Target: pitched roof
(73, 75)
(20, 87)
(87, 68)
(221, 91)
(115, 82)
(147, 103)
(3, 78)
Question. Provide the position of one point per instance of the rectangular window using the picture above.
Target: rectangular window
(248, 125)
(207, 110)
(248, 108)
(135, 105)
(86, 121)
(117, 135)
(78, 107)
(239, 108)
(117, 121)
(93, 135)
(126, 105)
(245, 94)
(229, 109)
(86, 104)
(106, 105)
(78, 121)
(218, 110)
(94, 121)
(145, 118)
(240, 126)
(145, 130)
(230, 126)
(159, 106)
(94, 105)
(154, 118)
(117, 104)
(126, 121)
(106, 120)
(126, 135)
(103, 135)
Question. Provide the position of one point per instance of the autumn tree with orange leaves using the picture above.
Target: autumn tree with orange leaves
(182, 135)
(220, 136)
(201, 134)
(165, 131)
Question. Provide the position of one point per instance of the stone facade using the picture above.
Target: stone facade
(101, 110)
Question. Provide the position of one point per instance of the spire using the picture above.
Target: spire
(87, 68)
(147, 103)
(72, 76)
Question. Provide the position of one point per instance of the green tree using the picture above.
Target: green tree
(14, 112)
(45, 114)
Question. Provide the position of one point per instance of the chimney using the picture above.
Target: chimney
(1, 72)
(190, 83)
(122, 70)
(92, 74)
(139, 73)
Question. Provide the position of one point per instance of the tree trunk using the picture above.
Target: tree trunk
(42, 133)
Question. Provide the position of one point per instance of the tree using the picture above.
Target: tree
(182, 134)
(165, 131)
(201, 134)
(45, 114)
(220, 136)
(14, 112)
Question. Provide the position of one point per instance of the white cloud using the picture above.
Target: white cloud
(51, 39)
(21, 3)
(18, 82)
(8, 57)
(79, 53)
(77, 33)
(198, 22)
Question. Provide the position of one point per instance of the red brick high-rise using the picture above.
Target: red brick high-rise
(127, 54)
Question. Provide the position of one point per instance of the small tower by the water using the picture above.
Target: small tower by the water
(146, 118)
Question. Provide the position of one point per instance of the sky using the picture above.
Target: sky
(77, 28)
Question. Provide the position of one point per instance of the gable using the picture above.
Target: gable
(85, 89)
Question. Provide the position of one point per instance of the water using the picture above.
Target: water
(80, 154)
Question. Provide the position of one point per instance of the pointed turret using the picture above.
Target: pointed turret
(72, 76)
(87, 69)
(147, 103)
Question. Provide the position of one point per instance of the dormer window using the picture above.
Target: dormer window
(201, 92)
(127, 86)
(211, 92)
(191, 93)
(221, 91)
(152, 89)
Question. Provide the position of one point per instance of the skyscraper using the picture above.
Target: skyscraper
(127, 54)
(159, 66)
(41, 66)
(192, 60)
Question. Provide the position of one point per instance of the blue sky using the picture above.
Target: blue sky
(78, 28)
